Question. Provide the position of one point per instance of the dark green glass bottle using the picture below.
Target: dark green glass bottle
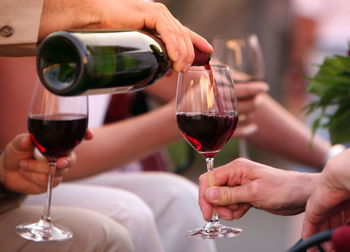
(96, 62)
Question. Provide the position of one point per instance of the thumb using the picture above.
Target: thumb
(224, 195)
(19, 148)
(21, 143)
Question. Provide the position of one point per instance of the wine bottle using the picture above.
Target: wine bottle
(96, 62)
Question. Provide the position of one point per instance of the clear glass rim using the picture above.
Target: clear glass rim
(214, 67)
(234, 36)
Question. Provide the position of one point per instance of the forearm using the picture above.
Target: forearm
(281, 133)
(120, 143)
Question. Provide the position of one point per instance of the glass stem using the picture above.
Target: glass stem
(46, 216)
(214, 222)
(243, 148)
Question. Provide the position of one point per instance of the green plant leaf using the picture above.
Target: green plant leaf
(331, 86)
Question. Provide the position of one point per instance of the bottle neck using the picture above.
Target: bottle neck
(200, 58)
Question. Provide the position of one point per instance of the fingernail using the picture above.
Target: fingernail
(23, 164)
(64, 163)
(236, 215)
(212, 194)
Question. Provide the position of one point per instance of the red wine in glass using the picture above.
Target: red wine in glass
(56, 124)
(206, 113)
(57, 135)
(207, 133)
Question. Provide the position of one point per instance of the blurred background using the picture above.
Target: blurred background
(295, 36)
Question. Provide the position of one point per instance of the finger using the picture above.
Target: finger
(89, 134)
(243, 131)
(232, 212)
(186, 50)
(61, 172)
(201, 43)
(66, 162)
(206, 208)
(246, 106)
(39, 166)
(315, 212)
(188, 57)
(232, 173)
(180, 65)
(250, 90)
(224, 195)
(242, 210)
(23, 142)
(320, 206)
(166, 28)
(224, 213)
(19, 148)
(36, 166)
(40, 179)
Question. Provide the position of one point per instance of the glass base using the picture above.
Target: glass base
(214, 233)
(43, 231)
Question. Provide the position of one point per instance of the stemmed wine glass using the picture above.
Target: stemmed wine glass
(243, 54)
(207, 116)
(56, 125)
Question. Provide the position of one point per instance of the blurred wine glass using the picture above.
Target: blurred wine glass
(244, 56)
(56, 125)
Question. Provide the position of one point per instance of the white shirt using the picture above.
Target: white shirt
(23, 19)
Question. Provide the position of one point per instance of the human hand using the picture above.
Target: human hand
(246, 98)
(119, 14)
(235, 187)
(20, 172)
(329, 205)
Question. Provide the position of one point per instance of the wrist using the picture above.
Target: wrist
(67, 15)
(303, 186)
(332, 152)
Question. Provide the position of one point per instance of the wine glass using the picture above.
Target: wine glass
(244, 56)
(56, 125)
(207, 116)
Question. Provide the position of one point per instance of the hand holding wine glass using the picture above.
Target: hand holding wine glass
(207, 117)
(22, 173)
(56, 125)
(244, 56)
